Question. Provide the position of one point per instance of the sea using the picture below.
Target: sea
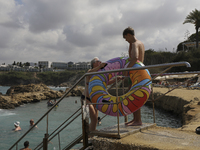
(57, 116)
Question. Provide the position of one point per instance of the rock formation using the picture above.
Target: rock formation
(17, 95)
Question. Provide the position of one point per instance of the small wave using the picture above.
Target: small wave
(6, 113)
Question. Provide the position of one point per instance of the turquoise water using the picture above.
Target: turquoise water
(66, 108)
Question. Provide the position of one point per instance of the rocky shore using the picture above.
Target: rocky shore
(31, 93)
(182, 101)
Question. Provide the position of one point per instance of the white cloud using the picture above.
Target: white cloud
(66, 30)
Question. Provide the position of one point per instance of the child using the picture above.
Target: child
(136, 52)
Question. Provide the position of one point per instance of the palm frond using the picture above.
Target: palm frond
(193, 17)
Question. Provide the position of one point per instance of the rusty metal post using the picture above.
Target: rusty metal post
(117, 103)
(59, 141)
(125, 117)
(154, 120)
(45, 142)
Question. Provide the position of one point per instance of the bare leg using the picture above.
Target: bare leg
(137, 119)
(130, 121)
(93, 117)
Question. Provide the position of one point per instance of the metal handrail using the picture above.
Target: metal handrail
(47, 112)
(70, 145)
(175, 87)
(174, 73)
(102, 72)
(177, 73)
(187, 64)
(60, 126)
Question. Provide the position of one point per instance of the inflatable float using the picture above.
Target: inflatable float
(129, 102)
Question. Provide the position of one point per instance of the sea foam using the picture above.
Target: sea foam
(4, 112)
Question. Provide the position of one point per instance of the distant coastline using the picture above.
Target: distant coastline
(64, 78)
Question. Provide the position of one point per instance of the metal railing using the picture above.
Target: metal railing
(195, 73)
(170, 65)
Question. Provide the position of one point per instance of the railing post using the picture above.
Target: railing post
(59, 141)
(154, 120)
(117, 102)
(85, 120)
(45, 141)
(125, 117)
(47, 124)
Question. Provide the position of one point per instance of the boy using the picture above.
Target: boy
(136, 52)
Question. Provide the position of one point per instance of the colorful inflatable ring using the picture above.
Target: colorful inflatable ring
(129, 102)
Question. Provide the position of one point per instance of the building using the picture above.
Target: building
(59, 65)
(82, 65)
(44, 64)
(190, 44)
(33, 64)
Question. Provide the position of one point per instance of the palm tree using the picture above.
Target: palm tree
(194, 18)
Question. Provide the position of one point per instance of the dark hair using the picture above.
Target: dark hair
(128, 30)
(26, 144)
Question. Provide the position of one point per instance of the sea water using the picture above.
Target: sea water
(57, 116)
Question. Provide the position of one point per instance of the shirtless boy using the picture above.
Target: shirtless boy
(136, 52)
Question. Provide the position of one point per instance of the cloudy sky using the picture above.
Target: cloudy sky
(78, 30)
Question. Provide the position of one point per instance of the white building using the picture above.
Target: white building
(81, 66)
(44, 64)
(59, 65)
(33, 64)
(4, 66)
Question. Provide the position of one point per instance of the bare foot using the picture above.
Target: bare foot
(129, 122)
(135, 124)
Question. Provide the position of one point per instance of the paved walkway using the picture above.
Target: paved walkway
(151, 139)
(164, 138)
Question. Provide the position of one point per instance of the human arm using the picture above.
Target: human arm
(113, 80)
(133, 54)
(129, 50)
(95, 69)
(102, 65)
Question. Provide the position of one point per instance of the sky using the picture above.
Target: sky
(79, 30)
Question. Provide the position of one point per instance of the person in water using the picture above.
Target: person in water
(55, 101)
(50, 102)
(26, 145)
(17, 127)
(136, 52)
(32, 123)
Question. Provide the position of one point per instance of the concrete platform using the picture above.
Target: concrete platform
(123, 130)
(155, 138)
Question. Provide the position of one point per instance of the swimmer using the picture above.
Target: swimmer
(26, 145)
(17, 127)
(32, 123)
